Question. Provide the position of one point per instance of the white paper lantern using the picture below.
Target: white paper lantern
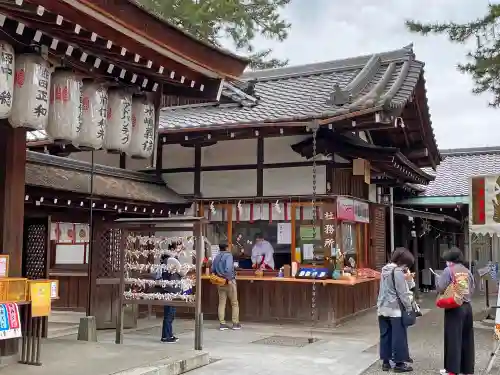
(6, 79)
(119, 124)
(65, 111)
(30, 107)
(95, 109)
(143, 128)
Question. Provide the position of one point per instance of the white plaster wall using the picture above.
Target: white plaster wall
(100, 157)
(278, 150)
(293, 181)
(181, 183)
(176, 156)
(234, 152)
(229, 184)
(138, 164)
(372, 193)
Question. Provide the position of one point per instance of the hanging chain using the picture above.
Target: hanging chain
(314, 221)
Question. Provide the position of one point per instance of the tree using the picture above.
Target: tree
(484, 60)
(239, 20)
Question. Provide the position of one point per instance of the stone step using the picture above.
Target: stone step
(180, 365)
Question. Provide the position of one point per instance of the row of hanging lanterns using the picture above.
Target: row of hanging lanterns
(71, 110)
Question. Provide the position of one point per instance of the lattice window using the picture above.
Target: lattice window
(107, 253)
(35, 251)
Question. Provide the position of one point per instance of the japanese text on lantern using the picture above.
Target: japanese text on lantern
(149, 129)
(126, 121)
(329, 225)
(42, 75)
(6, 63)
(103, 108)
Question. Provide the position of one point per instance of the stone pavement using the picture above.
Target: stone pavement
(273, 349)
(426, 342)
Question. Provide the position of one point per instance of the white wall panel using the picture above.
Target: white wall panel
(234, 152)
(229, 184)
(293, 181)
(181, 183)
(100, 157)
(176, 156)
(278, 150)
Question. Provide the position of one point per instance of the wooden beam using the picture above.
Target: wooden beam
(417, 154)
(159, 158)
(260, 166)
(242, 167)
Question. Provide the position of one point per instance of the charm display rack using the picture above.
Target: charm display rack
(142, 248)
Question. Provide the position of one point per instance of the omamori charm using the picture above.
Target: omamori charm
(65, 112)
(119, 129)
(143, 128)
(6, 79)
(95, 109)
(30, 108)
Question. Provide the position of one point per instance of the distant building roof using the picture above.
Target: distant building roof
(458, 165)
(384, 81)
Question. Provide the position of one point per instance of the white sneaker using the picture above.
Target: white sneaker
(443, 371)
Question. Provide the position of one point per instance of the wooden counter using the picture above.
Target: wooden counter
(274, 299)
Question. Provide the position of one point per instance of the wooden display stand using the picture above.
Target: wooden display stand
(146, 227)
(30, 299)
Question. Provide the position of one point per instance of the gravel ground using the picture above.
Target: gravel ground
(426, 345)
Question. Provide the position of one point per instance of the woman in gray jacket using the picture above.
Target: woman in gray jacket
(393, 333)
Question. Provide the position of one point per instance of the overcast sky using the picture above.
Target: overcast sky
(329, 29)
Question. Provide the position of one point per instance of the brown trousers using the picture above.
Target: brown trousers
(228, 291)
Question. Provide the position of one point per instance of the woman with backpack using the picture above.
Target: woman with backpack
(459, 354)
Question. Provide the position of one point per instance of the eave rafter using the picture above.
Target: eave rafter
(100, 57)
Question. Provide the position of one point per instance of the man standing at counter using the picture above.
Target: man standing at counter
(262, 254)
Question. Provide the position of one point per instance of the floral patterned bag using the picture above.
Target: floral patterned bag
(452, 297)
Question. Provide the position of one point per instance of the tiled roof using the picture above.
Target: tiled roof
(310, 91)
(458, 165)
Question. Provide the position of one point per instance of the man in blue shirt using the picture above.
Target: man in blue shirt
(223, 266)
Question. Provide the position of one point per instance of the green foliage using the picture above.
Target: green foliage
(239, 20)
(484, 61)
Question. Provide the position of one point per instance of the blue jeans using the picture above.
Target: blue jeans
(393, 340)
(168, 318)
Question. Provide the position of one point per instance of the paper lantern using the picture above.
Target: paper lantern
(95, 109)
(30, 107)
(65, 111)
(119, 124)
(143, 128)
(6, 79)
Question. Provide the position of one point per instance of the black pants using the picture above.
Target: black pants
(393, 340)
(459, 355)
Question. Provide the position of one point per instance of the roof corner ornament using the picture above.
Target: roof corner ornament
(250, 88)
(339, 97)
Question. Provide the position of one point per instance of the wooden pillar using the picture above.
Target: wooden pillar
(12, 182)
(260, 166)
(197, 170)
(159, 157)
(123, 161)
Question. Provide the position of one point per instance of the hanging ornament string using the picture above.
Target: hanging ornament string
(314, 218)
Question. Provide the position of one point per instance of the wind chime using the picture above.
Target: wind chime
(315, 127)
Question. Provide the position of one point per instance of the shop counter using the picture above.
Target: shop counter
(280, 299)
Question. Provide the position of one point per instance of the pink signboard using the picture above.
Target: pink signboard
(345, 209)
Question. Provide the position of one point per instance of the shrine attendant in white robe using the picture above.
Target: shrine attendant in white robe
(262, 254)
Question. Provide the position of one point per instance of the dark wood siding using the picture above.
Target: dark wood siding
(344, 183)
(378, 236)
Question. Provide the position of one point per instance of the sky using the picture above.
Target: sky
(325, 30)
